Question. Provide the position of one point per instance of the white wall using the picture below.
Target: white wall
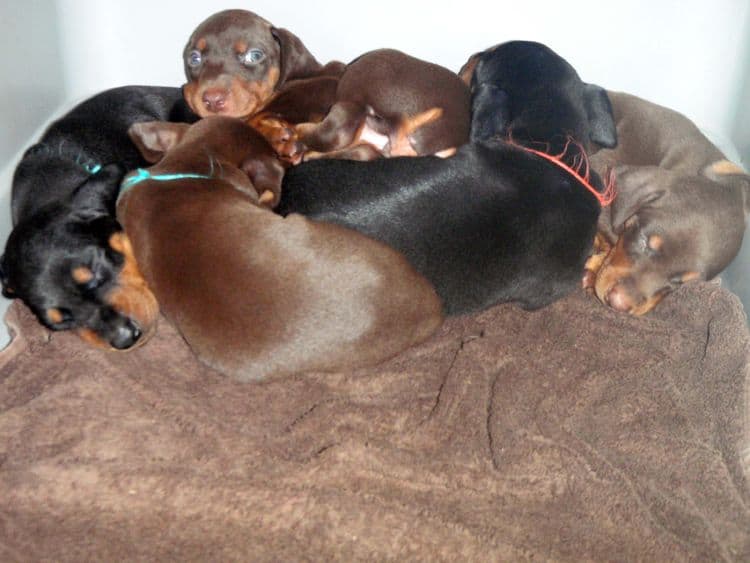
(692, 55)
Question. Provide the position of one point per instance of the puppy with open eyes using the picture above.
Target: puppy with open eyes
(256, 295)
(384, 103)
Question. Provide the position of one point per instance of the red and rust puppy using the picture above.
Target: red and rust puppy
(254, 294)
(383, 103)
(235, 62)
(680, 212)
(395, 103)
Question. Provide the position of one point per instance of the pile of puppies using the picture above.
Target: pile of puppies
(300, 216)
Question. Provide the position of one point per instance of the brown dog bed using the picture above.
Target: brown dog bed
(571, 433)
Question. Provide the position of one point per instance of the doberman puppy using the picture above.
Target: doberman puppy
(67, 257)
(254, 294)
(680, 212)
(511, 100)
(495, 222)
(235, 62)
(384, 102)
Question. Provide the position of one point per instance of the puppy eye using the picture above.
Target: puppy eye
(252, 56)
(194, 59)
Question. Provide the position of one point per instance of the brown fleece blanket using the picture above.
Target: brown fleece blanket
(572, 433)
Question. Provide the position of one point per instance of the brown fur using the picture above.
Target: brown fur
(382, 93)
(254, 294)
(679, 214)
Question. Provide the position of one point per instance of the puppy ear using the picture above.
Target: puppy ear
(266, 174)
(490, 114)
(295, 60)
(637, 187)
(97, 195)
(467, 71)
(154, 138)
(601, 119)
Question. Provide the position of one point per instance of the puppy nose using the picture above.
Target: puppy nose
(619, 299)
(126, 335)
(215, 99)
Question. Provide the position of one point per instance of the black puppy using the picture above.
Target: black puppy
(67, 257)
(494, 223)
(524, 92)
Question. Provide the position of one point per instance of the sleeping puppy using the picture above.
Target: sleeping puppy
(680, 213)
(67, 257)
(256, 295)
(525, 92)
(494, 223)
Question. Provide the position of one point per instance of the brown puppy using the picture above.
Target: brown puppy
(383, 103)
(680, 209)
(235, 62)
(400, 105)
(254, 294)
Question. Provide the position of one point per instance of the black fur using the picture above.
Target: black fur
(63, 214)
(492, 224)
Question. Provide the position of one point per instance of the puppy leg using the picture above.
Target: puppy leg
(338, 130)
(359, 151)
(595, 261)
(280, 134)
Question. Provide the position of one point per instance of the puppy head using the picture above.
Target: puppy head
(73, 266)
(224, 147)
(525, 90)
(235, 60)
(669, 229)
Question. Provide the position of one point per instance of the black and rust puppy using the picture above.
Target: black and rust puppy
(525, 92)
(680, 213)
(254, 294)
(494, 223)
(67, 257)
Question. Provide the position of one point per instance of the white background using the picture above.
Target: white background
(691, 55)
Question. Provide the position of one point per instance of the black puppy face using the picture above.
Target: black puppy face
(74, 269)
(525, 91)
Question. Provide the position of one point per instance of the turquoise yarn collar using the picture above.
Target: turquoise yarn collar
(142, 174)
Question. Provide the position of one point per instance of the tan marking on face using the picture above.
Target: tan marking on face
(131, 295)
(90, 337)
(723, 167)
(201, 44)
(615, 266)
(655, 242)
(82, 274)
(647, 305)
(54, 316)
(240, 47)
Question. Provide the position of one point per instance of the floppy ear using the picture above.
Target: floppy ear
(467, 71)
(296, 61)
(154, 138)
(97, 195)
(601, 119)
(266, 174)
(637, 186)
(490, 115)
